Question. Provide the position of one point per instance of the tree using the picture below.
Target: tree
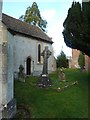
(81, 60)
(33, 17)
(77, 27)
(62, 60)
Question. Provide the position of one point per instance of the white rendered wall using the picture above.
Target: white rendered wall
(27, 47)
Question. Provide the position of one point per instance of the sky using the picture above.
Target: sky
(53, 11)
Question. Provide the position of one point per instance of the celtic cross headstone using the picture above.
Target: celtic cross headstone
(44, 80)
(46, 54)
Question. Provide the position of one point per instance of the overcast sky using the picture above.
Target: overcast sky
(53, 11)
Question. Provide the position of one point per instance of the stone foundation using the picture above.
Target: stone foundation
(44, 81)
(9, 110)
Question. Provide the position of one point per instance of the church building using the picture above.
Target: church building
(28, 42)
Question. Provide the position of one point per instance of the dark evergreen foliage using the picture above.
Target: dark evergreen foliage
(77, 27)
(62, 60)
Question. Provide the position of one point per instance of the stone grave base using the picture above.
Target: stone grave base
(9, 110)
(23, 112)
(44, 81)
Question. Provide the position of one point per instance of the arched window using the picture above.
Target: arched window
(39, 53)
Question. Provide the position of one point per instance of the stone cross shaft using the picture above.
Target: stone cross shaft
(46, 54)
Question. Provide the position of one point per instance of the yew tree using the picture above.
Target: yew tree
(77, 27)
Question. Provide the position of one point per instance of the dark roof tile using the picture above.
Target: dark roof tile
(23, 28)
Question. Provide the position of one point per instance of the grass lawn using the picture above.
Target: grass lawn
(72, 102)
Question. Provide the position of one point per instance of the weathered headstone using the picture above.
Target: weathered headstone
(21, 74)
(7, 101)
(44, 80)
(61, 75)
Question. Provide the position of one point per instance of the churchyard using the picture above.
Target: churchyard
(61, 100)
(26, 52)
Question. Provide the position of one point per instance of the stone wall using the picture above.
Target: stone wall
(6, 74)
(3, 69)
(54, 67)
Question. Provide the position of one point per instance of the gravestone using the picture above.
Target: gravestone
(44, 80)
(21, 74)
(61, 75)
(7, 101)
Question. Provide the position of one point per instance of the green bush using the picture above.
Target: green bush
(62, 60)
(81, 60)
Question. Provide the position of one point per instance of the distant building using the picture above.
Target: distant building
(54, 64)
(87, 63)
(69, 60)
(75, 55)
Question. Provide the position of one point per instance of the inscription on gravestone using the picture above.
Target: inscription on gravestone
(44, 80)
